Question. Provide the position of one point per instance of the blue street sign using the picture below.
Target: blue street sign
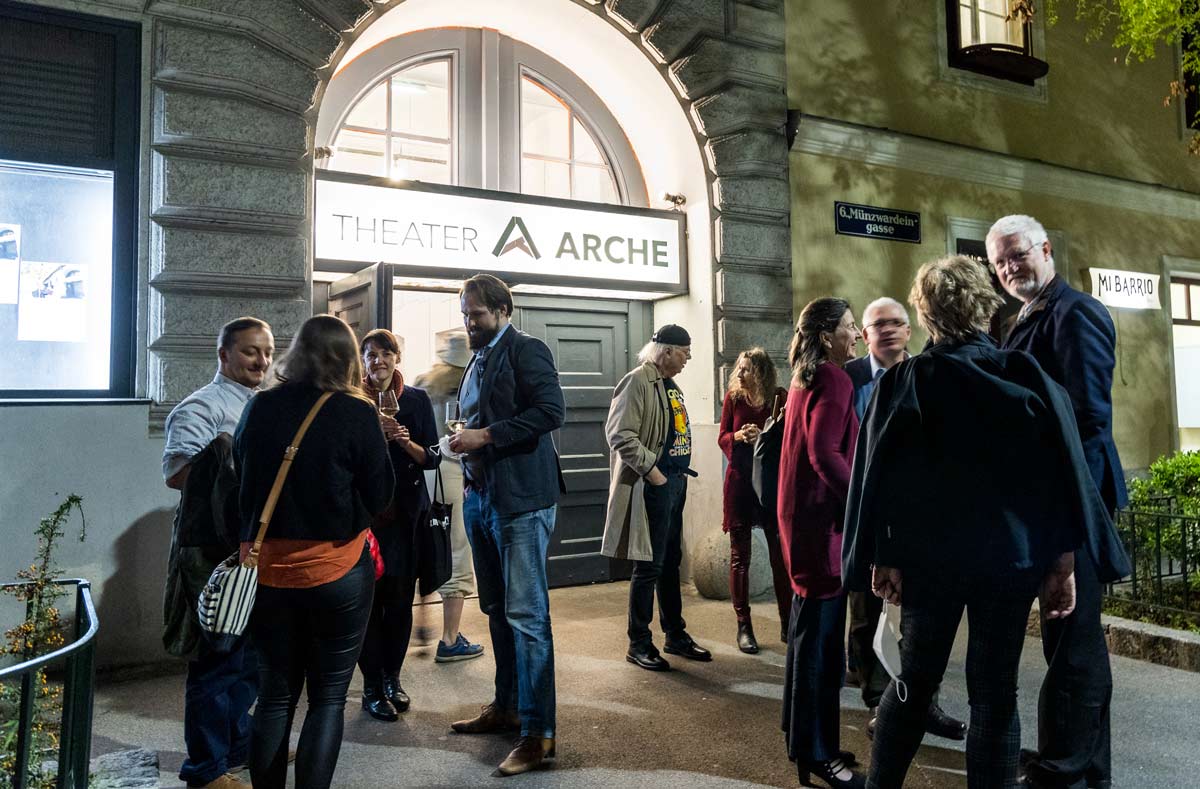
(869, 221)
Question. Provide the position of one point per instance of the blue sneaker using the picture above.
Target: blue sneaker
(461, 649)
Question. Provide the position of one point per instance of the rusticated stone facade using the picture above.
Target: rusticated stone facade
(234, 88)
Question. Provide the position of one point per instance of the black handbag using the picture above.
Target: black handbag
(433, 540)
(767, 449)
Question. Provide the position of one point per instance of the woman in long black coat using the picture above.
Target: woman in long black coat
(412, 442)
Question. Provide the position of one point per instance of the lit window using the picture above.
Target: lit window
(559, 155)
(983, 22)
(401, 128)
(68, 204)
(990, 37)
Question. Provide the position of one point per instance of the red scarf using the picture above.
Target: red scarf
(373, 393)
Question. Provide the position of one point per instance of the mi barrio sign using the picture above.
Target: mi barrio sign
(1128, 289)
(433, 231)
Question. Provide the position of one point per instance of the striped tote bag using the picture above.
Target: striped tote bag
(228, 598)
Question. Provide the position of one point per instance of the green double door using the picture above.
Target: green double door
(594, 343)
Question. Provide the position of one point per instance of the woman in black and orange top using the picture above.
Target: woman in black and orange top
(315, 574)
(412, 441)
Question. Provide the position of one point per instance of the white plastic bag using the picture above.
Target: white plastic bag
(887, 646)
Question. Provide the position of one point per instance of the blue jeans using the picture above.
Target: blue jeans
(510, 571)
(220, 689)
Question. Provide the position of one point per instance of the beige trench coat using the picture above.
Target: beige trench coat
(638, 422)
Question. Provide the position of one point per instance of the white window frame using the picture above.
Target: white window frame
(486, 87)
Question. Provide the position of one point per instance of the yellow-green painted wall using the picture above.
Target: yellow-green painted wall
(863, 269)
(876, 63)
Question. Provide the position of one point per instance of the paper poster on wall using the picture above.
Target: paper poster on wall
(10, 262)
(52, 303)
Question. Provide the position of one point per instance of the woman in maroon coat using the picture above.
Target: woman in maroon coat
(752, 396)
(820, 430)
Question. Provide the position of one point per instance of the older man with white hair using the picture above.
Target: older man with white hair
(1072, 337)
(651, 441)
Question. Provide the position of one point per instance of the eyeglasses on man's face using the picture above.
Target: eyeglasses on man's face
(1013, 260)
(886, 323)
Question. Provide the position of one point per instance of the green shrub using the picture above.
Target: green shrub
(1176, 476)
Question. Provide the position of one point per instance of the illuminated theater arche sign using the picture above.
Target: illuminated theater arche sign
(438, 232)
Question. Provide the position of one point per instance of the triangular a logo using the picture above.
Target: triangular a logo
(523, 241)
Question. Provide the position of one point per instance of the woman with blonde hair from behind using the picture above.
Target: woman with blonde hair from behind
(969, 491)
(751, 398)
(315, 573)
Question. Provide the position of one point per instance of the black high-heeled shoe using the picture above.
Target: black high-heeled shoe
(828, 773)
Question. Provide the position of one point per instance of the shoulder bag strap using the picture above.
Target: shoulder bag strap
(439, 487)
(289, 455)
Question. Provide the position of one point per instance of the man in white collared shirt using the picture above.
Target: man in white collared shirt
(221, 687)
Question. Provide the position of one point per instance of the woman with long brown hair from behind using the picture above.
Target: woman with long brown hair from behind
(820, 429)
(315, 573)
(751, 397)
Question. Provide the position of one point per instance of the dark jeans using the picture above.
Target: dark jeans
(1074, 737)
(664, 511)
(388, 630)
(510, 569)
(306, 636)
(740, 541)
(221, 688)
(932, 607)
(816, 668)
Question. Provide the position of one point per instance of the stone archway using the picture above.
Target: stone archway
(234, 98)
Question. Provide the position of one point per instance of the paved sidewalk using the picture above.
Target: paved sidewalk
(699, 726)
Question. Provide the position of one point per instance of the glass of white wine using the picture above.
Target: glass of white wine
(387, 403)
(454, 419)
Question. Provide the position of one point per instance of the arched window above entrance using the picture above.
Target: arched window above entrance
(401, 128)
(472, 107)
(559, 154)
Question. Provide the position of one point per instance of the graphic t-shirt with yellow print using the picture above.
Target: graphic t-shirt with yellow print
(677, 451)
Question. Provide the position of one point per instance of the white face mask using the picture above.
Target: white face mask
(887, 646)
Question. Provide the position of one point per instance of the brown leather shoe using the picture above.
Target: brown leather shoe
(530, 754)
(491, 720)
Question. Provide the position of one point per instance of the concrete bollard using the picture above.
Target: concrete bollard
(710, 566)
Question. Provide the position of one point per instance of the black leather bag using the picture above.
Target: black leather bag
(765, 468)
(433, 540)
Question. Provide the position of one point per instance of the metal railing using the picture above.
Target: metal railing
(1164, 549)
(79, 679)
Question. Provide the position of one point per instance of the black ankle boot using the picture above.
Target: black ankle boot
(745, 638)
(828, 772)
(394, 693)
(377, 705)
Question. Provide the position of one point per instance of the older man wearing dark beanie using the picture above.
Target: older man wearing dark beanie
(651, 442)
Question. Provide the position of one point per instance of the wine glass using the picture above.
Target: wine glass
(454, 420)
(387, 403)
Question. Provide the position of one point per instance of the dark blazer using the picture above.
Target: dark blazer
(521, 401)
(205, 533)
(341, 476)
(396, 527)
(969, 465)
(859, 371)
(1072, 337)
